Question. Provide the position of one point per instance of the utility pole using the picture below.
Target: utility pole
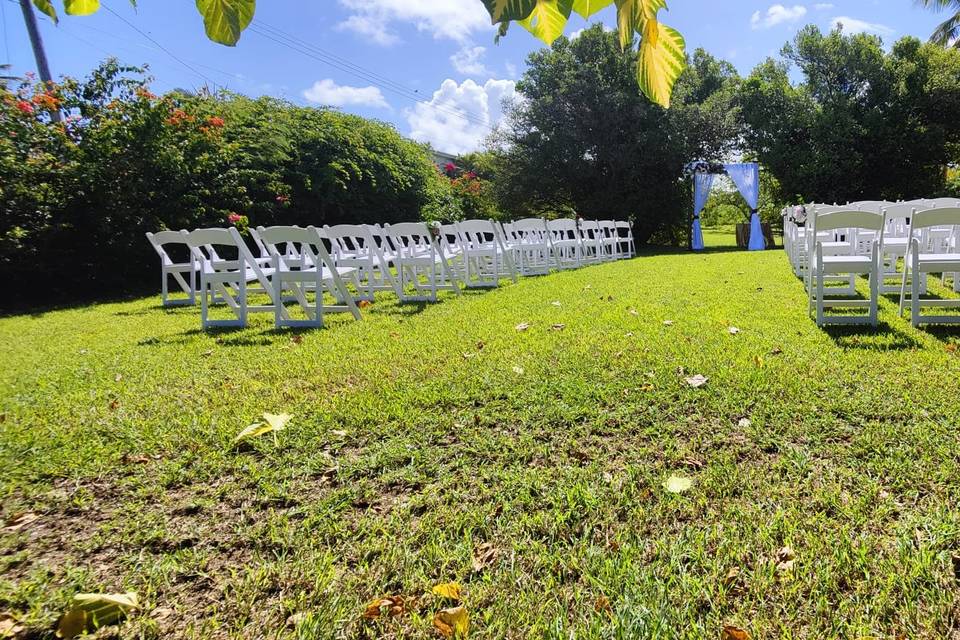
(37, 42)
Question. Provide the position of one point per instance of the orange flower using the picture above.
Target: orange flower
(215, 121)
(25, 107)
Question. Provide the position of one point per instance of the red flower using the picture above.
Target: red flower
(25, 107)
(143, 92)
(450, 168)
(282, 199)
(215, 121)
(471, 175)
(234, 218)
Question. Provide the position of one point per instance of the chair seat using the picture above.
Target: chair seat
(846, 264)
(939, 261)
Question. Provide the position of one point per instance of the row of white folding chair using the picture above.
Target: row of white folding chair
(539, 244)
(933, 246)
(423, 266)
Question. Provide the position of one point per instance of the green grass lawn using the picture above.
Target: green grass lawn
(428, 435)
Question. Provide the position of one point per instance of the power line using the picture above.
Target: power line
(311, 51)
(159, 46)
(6, 41)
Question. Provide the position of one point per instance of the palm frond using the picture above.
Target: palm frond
(948, 33)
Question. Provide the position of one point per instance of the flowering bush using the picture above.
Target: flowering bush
(78, 195)
(470, 195)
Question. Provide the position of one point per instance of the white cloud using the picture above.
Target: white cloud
(576, 34)
(460, 116)
(468, 61)
(823, 6)
(777, 14)
(512, 71)
(452, 19)
(852, 25)
(328, 92)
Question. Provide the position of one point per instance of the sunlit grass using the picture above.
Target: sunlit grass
(425, 431)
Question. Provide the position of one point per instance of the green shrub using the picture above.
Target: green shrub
(78, 196)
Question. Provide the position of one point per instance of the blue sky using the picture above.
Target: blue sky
(430, 67)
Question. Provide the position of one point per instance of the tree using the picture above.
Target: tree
(224, 20)
(584, 140)
(863, 124)
(662, 49)
(662, 55)
(948, 32)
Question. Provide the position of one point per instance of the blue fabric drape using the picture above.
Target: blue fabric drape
(747, 178)
(702, 182)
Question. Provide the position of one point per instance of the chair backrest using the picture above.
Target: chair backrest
(478, 234)
(842, 218)
(160, 238)
(295, 248)
(411, 239)
(563, 229)
(939, 216)
(944, 202)
(349, 240)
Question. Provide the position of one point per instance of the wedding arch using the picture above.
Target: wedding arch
(746, 177)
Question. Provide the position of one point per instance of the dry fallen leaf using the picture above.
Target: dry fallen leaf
(340, 433)
(602, 605)
(20, 521)
(523, 326)
(296, 338)
(364, 304)
(677, 484)
(10, 627)
(558, 327)
(758, 361)
(114, 405)
(697, 381)
(449, 590)
(733, 331)
(390, 605)
(89, 611)
(734, 633)
(556, 303)
(452, 623)
(130, 458)
(785, 559)
(668, 323)
(731, 576)
(633, 312)
(776, 351)
(118, 377)
(518, 371)
(467, 356)
(744, 423)
(484, 556)
(951, 348)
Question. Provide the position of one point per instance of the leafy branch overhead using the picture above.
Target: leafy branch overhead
(662, 49)
(224, 20)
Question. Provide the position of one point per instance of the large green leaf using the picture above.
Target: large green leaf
(506, 10)
(47, 7)
(662, 60)
(548, 19)
(633, 14)
(81, 7)
(587, 8)
(225, 20)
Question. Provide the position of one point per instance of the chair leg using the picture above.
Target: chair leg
(820, 298)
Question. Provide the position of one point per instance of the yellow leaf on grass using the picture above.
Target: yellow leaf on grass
(450, 590)
(758, 361)
(677, 484)
(452, 623)
(92, 610)
(271, 423)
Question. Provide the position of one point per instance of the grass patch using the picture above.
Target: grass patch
(428, 436)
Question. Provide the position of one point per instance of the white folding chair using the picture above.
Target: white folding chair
(531, 247)
(624, 231)
(227, 279)
(565, 243)
(608, 239)
(301, 265)
(832, 242)
(485, 257)
(849, 263)
(920, 261)
(184, 274)
(353, 246)
(591, 242)
(451, 245)
(893, 249)
(421, 264)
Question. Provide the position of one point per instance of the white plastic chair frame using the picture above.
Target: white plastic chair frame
(918, 263)
(301, 264)
(355, 246)
(227, 280)
(565, 243)
(485, 256)
(851, 221)
(184, 274)
(420, 262)
(624, 243)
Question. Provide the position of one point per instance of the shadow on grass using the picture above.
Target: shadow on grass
(883, 337)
